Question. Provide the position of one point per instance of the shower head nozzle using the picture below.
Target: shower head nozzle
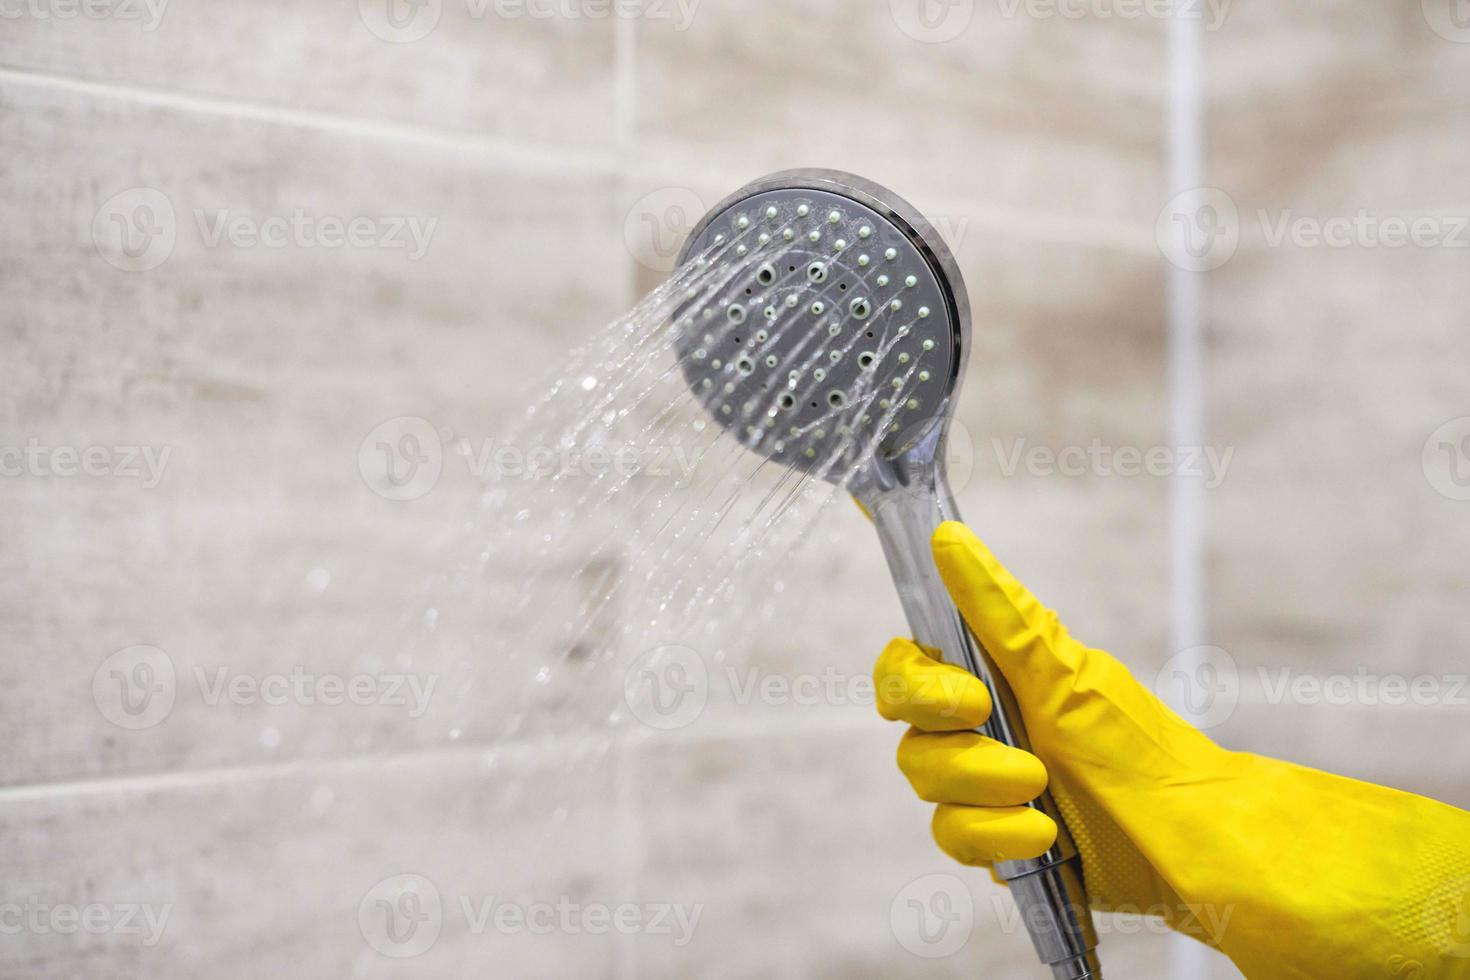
(832, 325)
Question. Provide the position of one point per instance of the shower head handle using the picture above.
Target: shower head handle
(907, 498)
(832, 339)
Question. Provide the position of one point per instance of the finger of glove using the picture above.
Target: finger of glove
(913, 687)
(969, 769)
(978, 835)
(1022, 636)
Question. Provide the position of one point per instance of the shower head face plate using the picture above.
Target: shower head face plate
(829, 330)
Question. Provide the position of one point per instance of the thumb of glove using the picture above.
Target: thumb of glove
(1079, 704)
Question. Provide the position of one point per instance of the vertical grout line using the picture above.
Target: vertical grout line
(631, 833)
(1188, 959)
(625, 83)
(625, 124)
(625, 91)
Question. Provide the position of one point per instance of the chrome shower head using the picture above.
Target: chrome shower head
(828, 330)
(839, 328)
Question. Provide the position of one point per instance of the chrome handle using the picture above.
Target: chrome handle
(1048, 890)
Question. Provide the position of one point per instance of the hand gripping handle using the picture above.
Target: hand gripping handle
(1048, 890)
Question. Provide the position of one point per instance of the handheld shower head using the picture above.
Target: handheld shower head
(831, 334)
(842, 330)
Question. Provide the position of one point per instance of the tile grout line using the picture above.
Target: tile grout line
(629, 812)
(632, 853)
(730, 728)
(1186, 169)
(509, 152)
(538, 158)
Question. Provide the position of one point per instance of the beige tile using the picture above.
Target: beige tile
(262, 371)
(1332, 108)
(1069, 352)
(1332, 551)
(505, 76)
(1405, 746)
(1330, 545)
(993, 115)
(261, 873)
(813, 843)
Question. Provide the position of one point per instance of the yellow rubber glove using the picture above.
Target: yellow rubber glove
(1291, 872)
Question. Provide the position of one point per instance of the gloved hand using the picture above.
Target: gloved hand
(1290, 871)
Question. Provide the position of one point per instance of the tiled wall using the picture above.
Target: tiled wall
(1338, 544)
(535, 143)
